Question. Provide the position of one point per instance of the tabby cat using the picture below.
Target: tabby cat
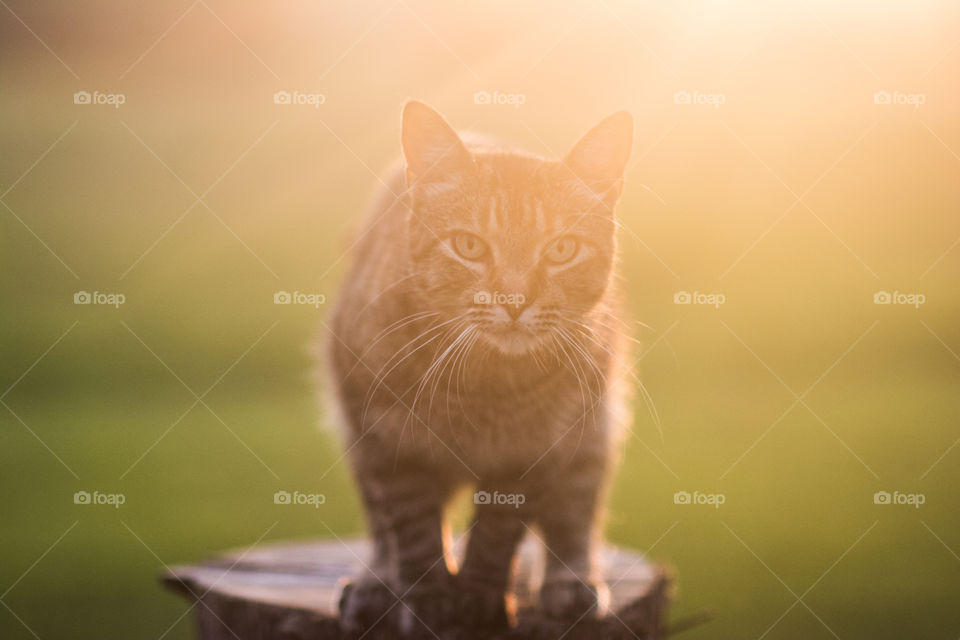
(474, 344)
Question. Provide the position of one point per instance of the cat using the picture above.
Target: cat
(473, 343)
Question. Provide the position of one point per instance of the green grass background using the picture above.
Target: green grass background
(705, 185)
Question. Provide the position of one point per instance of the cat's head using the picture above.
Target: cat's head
(517, 246)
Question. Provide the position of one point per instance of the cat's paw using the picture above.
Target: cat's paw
(365, 603)
(427, 610)
(570, 598)
(479, 606)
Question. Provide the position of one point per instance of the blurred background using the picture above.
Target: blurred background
(795, 161)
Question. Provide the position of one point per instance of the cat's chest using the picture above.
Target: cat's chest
(515, 429)
(476, 412)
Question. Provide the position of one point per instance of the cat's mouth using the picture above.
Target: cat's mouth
(512, 338)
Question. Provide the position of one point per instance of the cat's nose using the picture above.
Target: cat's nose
(516, 307)
(517, 292)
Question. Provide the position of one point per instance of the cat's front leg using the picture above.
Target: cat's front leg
(573, 587)
(413, 501)
(415, 593)
(370, 597)
(484, 578)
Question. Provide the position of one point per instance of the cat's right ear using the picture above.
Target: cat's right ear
(431, 147)
(600, 157)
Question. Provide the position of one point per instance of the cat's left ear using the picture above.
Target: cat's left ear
(431, 148)
(600, 157)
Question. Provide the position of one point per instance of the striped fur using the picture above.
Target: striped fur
(440, 389)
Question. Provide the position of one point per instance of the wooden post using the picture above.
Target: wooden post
(289, 591)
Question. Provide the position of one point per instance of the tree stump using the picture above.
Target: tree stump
(289, 591)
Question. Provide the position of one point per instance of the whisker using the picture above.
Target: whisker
(437, 361)
(459, 364)
(648, 399)
(573, 368)
(385, 289)
(381, 378)
(396, 326)
(454, 351)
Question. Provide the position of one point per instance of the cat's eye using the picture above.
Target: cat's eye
(562, 250)
(469, 246)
